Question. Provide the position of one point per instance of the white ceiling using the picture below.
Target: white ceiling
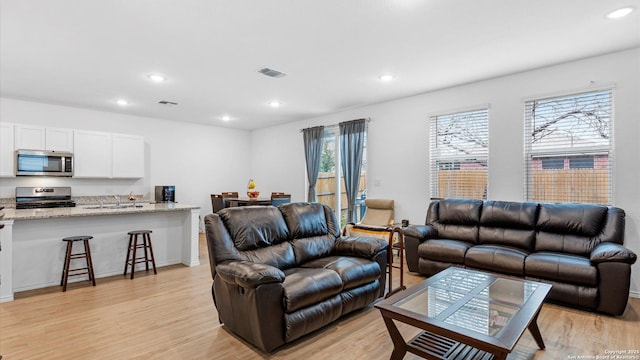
(88, 53)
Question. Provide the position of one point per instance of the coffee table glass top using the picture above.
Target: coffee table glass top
(472, 300)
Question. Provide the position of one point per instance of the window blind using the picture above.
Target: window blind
(568, 148)
(458, 153)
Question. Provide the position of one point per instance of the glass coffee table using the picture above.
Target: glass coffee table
(465, 314)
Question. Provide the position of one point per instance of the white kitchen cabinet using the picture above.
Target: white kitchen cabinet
(59, 139)
(30, 137)
(40, 138)
(7, 153)
(127, 156)
(92, 154)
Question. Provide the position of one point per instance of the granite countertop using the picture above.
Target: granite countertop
(93, 210)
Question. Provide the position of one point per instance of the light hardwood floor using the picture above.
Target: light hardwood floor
(171, 316)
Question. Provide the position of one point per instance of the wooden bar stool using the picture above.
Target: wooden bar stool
(133, 259)
(67, 271)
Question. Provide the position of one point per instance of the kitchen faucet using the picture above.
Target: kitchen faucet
(117, 200)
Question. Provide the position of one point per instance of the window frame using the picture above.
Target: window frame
(593, 151)
(438, 162)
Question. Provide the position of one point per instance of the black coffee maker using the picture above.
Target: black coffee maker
(166, 193)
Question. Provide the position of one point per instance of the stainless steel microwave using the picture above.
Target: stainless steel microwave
(43, 163)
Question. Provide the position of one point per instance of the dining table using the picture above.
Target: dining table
(233, 202)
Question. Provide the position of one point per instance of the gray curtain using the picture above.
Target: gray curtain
(313, 138)
(351, 148)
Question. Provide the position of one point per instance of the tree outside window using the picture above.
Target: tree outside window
(568, 148)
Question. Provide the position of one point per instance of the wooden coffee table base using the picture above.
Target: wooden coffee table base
(436, 347)
(432, 346)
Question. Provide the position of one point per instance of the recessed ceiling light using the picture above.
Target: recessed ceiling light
(622, 12)
(386, 77)
(275, 103)
(156, 77)
(225, 118)
(122, 102)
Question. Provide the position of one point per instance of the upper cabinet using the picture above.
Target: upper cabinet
(127, 156)
(58, 139)
(7, 153)
(96, 154)
(92, 155)
(106, 155)
(41, 138)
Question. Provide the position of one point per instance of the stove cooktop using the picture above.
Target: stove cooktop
(44, 204)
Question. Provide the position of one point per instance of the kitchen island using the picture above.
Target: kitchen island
(33, 252)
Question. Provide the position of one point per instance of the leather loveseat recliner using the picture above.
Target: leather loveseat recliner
(575, 247)
(282, 272)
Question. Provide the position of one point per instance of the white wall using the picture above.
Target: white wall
(197, 159)
(397, 157)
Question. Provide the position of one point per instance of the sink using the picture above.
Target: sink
(112, 206)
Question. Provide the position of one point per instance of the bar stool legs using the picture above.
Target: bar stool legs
(132, 256)
(67, 271)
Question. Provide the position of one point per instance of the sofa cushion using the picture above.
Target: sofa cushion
(353, 271)
(508, 223)
(313, 230)
(577, 219)
(459, 211)
(504, 259)
(305, 220)
(304, 321)
(254, 227)
(457, 219)
(561, 267)
(306, 286)
(443, 250)
(510, 215)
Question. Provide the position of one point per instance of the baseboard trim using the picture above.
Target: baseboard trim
(634, 294)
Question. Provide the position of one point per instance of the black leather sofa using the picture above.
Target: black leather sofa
(575, 247)
(282, 272)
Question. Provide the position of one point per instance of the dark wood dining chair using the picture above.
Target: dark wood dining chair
(217, 202)
(280, 198)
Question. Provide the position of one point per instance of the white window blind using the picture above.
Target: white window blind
(459, 144)
(568, 148)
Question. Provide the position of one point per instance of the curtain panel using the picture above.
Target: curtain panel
(352, 135)
(313, 138)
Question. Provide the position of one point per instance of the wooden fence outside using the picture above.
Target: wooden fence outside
(326, 191)
(470, 184)
(548, 185)
(571, 185)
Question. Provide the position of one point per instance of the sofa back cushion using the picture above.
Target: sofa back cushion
(259, 234)
(313, 229)
(508, 223)
(456, 218)
(570, 228)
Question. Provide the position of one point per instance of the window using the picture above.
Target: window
(458, 154)
(327, 187)
(568, 148)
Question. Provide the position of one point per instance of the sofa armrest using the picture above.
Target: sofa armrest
(249, 274)
(421, 232)
(608, 251)
(359, 246)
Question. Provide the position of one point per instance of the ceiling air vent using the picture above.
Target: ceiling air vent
(169, 103)
(271, 73)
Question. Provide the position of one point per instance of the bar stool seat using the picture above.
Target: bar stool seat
(67, 271)
(134, 245)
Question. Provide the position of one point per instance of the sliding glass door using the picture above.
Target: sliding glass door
(330, 185)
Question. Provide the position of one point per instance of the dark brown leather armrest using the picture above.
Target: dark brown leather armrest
(421, 232)
(359, 246)
(248, 274)
(608, 251)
